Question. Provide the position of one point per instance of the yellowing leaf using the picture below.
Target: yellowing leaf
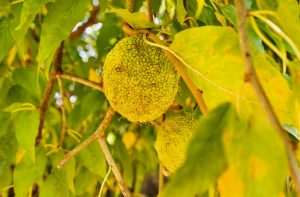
(129, 139)
(214, 62)
(93, 76)
(230, 184)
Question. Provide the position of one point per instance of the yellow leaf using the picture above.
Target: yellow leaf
(229, 184)
(93, 76)
(129, 139)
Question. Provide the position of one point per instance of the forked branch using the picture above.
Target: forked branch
(99, 135)
(251, 76)
(43, 107)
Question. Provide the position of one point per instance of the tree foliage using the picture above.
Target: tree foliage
(52, 54)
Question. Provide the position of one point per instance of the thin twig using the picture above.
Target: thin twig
(55, 69)
(161, 180)
(104, 181)
(63, 112)
(92, 20)
(179, 67)
(99, 132)
(149, 11)
(251, 76)
(86, 82)
(113, 166)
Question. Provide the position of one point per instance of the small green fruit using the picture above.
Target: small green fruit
(138, 79)
(173, 136)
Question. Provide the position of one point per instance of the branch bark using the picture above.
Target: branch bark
(92, 20)
(86, 82)
(99, 132)
(63, 112)
(251, 76)
(43, 107)
(113, 166)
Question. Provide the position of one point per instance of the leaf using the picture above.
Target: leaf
(93, 159)
(4, 8)
(27, 78)
(26, 128)
(206, 158)
(29, 11)
(27, 172)
(214, 62)
(256, 157)
(4, 122)
(6, 38)
(15, 107)
(55, 185)
(180, 12)
(136, 20)
(8, 150)
(58, 24)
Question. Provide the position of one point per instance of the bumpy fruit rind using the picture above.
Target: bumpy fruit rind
(139, 81)
(173, 136)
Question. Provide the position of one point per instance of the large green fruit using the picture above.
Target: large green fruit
(139, 81)
(173, 137)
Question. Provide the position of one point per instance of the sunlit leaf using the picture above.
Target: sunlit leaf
(256, 156)
(6, 38)
(58, 24)
(26, 127)
(206, 158)
(93, 159)
(8, 150)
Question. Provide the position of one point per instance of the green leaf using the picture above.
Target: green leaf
(136, 20)
(55, 185)
(206, 158)
(93, 159)
(4, 8)
(6, 38)
(26, 128)
(180, 12)
(29, 11)
(27, 172)
(58, 24)
(15, 107)
(67, 173)
(8, 150)
(27, 78)
(4, 122)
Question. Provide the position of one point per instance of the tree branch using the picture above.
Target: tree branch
(251, 76)
(180, 69)
(161, 179)
(113, 166)
(86, 82)
(149, 12)
(55, 69)
(99, 132)
(63, 112)
(92, 20)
